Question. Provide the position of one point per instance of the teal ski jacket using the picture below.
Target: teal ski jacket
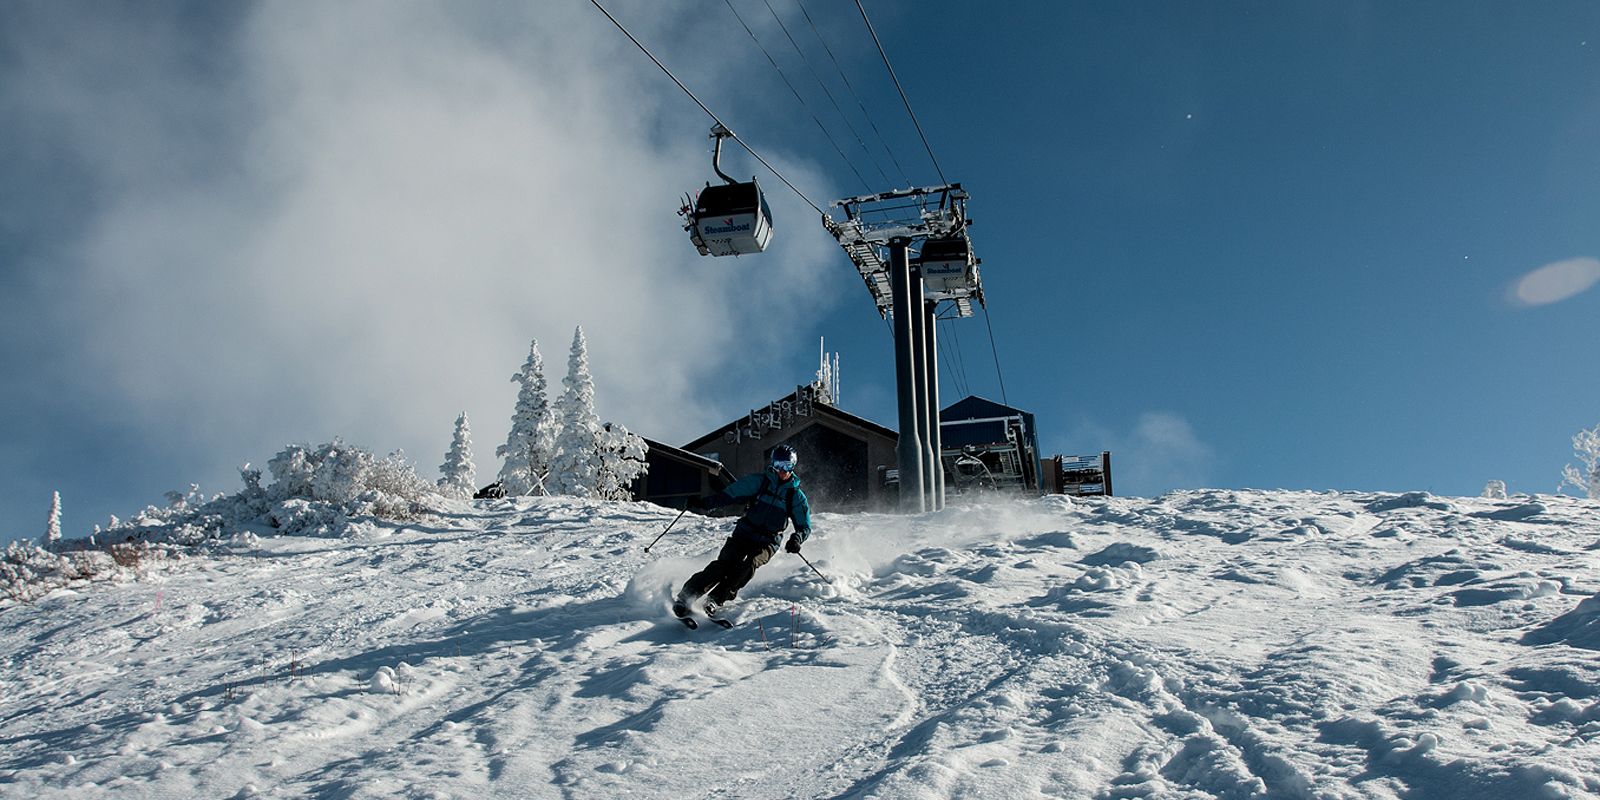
(773, 503)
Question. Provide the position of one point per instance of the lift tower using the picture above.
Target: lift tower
(912, 250)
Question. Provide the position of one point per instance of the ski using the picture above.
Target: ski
(711, 612)
(692, 624)
(681, 611)
(685, 615)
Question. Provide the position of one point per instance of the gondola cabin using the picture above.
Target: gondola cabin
(947, 265)
(731, 220)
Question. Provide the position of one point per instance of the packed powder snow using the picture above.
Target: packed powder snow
(1210, 644)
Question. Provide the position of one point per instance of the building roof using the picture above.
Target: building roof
(687, 456)
(821, 411)
(863, 422)
(975, 407)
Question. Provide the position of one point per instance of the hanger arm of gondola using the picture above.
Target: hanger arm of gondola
(720, 132)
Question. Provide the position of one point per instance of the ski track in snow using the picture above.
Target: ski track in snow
(1209, 644)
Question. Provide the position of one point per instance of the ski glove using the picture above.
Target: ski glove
(794, 544)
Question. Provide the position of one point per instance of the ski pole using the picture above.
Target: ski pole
(813, 567)
(669, 527)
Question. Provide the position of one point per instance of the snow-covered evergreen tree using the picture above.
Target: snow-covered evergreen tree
(1586, 446)
(530, 444)
(52, 529)
(1495, 490)
(622, 462)
(460, 476)
(579, 445)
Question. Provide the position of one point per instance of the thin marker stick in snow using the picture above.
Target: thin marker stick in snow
(669, 527)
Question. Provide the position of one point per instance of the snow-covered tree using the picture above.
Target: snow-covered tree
(52, 529)
(460, 476)
(530, 444)
(622, 462)
(1495, 490)
(580, 443)
(1586, 446)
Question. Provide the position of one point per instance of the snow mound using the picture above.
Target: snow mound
(1408, 500)
(1579, 627)
(1122, 553)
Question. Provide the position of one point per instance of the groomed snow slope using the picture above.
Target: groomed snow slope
(1203, 644)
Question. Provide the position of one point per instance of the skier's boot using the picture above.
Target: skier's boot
(680, 606)
(714, 608)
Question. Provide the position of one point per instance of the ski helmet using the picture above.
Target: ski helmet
(784, 458)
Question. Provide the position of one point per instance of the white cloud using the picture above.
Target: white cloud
(349, 219)
(1555, 282)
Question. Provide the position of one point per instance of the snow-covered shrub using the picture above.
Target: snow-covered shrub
(300, 517)
(292, 470)
(339, 473)
(330, 472)
(622, 461)
(1495, 490)
(322, 491)
(27, 572)
(396, 477)
(314, 488)
(314, 491)
(252, 501)
(133, 555)
(1586, 446)
(190, 499)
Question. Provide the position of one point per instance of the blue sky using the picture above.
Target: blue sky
(1270, 245)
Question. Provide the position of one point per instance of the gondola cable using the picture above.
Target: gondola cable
(996, 352)
(796, 93)
(859, 104)
(949, 366)
(703, 107)
(959, 361)
(961, 358)
(826, 91)
(902, 91)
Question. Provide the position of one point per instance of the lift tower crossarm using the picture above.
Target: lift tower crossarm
(871, 222)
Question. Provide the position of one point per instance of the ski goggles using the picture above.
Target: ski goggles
(783, 466)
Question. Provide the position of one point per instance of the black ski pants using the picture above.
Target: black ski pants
(733, 567)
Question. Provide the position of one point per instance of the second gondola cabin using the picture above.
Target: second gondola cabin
(731, 220)
(948, 266)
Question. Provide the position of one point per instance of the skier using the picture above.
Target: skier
(775, 498)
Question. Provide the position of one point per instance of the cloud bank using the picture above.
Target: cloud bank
(288, 221)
